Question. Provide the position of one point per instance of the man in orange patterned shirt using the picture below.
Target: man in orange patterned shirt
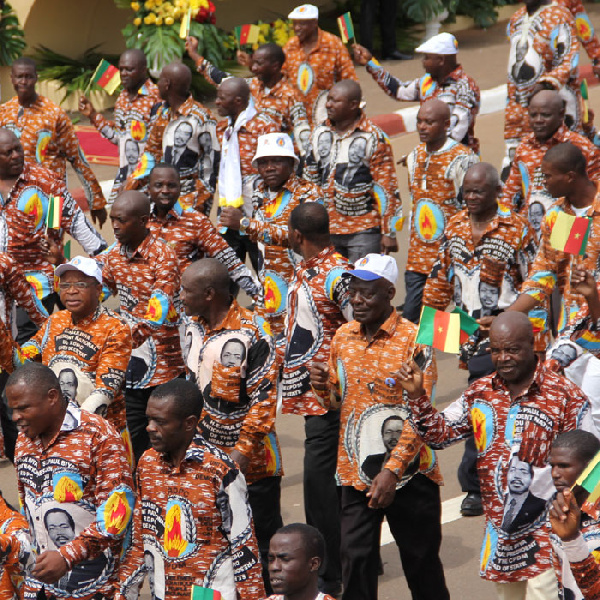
(359, 181)
(192, 522)
(436, 168)
(232, 360)
(585, 31)
(376, 479)
(144, 272)
(182, 134)
(278, 192)
(544, 54)
(47, 134)
(314, 61)
(526, 187)
(188, 232)
(75, 488)
(132, 115)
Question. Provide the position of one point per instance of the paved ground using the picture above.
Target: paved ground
(484, 56)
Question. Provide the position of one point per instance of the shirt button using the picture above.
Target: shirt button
(37, 518)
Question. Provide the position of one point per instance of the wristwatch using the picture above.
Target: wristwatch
(244, 224)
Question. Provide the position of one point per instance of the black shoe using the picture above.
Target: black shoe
(397, 55)
(471, 506)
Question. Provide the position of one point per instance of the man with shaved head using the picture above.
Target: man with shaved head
(483, 244)
(238, 133)
(360, 187)
(144, 272)
(240, 395)
(132, 113)
(526, 182)
(177, 126)
(515, 412)
(436, 168)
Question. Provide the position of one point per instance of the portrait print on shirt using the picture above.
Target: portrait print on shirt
(155, 569)
(180, 148)
(129, 156)
(351, 168)
(535, 214)
(565, 352)
(376, 433)
(75, 384)
(525, 63)
(324, 146)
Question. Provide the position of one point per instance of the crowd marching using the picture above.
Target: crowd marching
(144, 438)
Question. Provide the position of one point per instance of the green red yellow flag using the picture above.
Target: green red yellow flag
(54, 215)
(186, 23)
(468, 325)
(107, 77)
(346, 27)
(67, 250)
(201, 593)
(247, 34)
(585, 96)
(439, 329)
(589, 480)
(570, 233)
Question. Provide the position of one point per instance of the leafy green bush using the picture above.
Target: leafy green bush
(12, 37)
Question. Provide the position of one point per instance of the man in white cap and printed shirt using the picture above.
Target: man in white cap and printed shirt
(444, 79)
(376, 481)
(278, 192)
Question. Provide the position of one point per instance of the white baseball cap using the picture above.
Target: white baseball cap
(375, 266)
(443, 43)
(275, 144)
(83, 264)
(306, 11)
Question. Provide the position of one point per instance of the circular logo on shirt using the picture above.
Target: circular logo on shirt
(34, 203)
(275, 293)
(138, 130)
(305, 78)
(429, 221)
(484, 426)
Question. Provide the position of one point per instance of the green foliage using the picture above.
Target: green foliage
(422, 11)
(72, 74)
(12, 37)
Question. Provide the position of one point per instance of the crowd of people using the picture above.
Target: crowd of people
(144, 438)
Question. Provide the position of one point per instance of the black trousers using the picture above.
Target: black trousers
(264, 497)
(242, 245)
(414, 520)
(414, 284)
(321, 493)
(387, 23)
(136, 402)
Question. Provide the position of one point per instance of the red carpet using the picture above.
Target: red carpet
(96, 148)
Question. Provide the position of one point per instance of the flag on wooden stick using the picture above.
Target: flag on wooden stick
(570, 233)
(589, 480)
(107, 77)
(186, 23)
(54, 215)
(346, 27)
(439, 329)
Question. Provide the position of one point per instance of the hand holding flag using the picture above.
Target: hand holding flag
(439, 329)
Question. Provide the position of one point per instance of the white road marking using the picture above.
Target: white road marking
(450, 512)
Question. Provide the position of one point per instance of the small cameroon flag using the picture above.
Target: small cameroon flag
(201, 593)
(585, 96)
(570, 233)
(247, 34)
(589, 480)
(439, 329)
(107, 77)
(468, 325)
(186, 23)
(67, 250)
(346, 27)
(54, 215)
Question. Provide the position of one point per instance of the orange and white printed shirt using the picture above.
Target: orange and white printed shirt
(235, 367)
(435, 181)
(129, 129)
(147, 284)
(543, 49)
(269, 227)
(357, 173)
(77, 495)
(315, 73)
(192, 525)
(585, 30)
(363, 376)
(49, 139)
(23, 215)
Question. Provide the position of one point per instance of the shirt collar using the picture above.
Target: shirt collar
(534, 386)
(175, 212)
(593, 209)
(318, 258)
(232, 320)
(142, 250)
(387, 328)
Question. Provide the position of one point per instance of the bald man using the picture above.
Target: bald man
(133, 111)
(436, 168)
(526, 184)
(232, 359)
(514, 415)
(359, 180)
(144, 272)
(238, 132)
(183, 134)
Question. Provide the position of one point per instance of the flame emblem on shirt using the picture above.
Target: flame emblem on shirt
(39, 282)
(33, 203)
(174, 542)
(426, 458)
(274, 208)
(380, 199)
(68, 488)
(479, 428)
(126, 437)
(138, 130)
(271, 455)
(427, 86)
(585, 31)
(488, 549)
(116, 513)
(305, 78)
(144, 166)
(275, 293)
(160, 309)
(429, 221)
(41, 146)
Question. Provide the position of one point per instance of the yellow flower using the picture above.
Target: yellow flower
(169, 21)
(149, 4)
(135, 6)
(151, 18)
(137, 21)
(159, 21)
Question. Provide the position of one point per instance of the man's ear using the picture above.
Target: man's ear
(315, 564)
(54, 396)
(190, 423)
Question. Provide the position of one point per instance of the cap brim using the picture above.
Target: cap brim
(362, 274)
(66, 267)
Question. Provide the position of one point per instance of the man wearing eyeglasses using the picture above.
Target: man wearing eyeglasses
(87, 340)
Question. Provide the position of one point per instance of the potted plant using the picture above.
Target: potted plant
(429, 12)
